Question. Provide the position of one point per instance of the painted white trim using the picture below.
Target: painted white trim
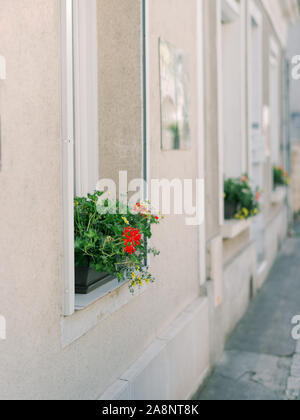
(220, 112)
(243, 14)
(148, 91)
(86, 96)
(201, 148)
(67, 133)
(2, 68)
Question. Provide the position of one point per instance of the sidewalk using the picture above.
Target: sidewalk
(261, 360)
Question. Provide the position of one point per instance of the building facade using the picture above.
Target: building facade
(80, 100)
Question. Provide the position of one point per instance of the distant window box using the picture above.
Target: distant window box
(111, 243)
(241, 202)
(280, 177)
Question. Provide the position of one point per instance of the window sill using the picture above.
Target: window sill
(83, 301)
(278, 195)
(233, 228)
(94, 308)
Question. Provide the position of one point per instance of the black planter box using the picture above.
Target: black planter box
(230, 210)
(87, 280)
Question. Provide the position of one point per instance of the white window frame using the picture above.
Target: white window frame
(85, 96)
(274, 65)
(79, 131)
(67, 133)
(2, 68)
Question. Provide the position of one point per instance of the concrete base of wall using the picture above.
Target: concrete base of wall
(174, 365)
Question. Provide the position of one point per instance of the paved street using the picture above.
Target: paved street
(261, 360)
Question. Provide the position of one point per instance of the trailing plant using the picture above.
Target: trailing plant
(110, 237)
(174, 129)
(280, 176)
(239, 195)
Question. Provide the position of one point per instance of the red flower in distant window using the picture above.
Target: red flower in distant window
(132, 239)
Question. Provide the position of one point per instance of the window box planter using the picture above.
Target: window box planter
(111, 238)
(87, 280)
(241, 202)
(230, 210)
(278, 195)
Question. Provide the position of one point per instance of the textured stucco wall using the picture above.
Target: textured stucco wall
(30, 196)
(33, 363)
(177, 266)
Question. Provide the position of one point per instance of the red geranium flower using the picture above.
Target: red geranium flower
(132, 239)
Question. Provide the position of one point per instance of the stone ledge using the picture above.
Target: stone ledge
(278, 195)
(233, 228)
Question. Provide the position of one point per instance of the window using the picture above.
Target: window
(79, 120)
(234, 91)
(274, 89)
(101, 127)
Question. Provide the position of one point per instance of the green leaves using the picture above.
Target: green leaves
(280, 176)
(240, 196)
(98, 237)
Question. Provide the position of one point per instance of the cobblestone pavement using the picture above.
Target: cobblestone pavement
(261, 360)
